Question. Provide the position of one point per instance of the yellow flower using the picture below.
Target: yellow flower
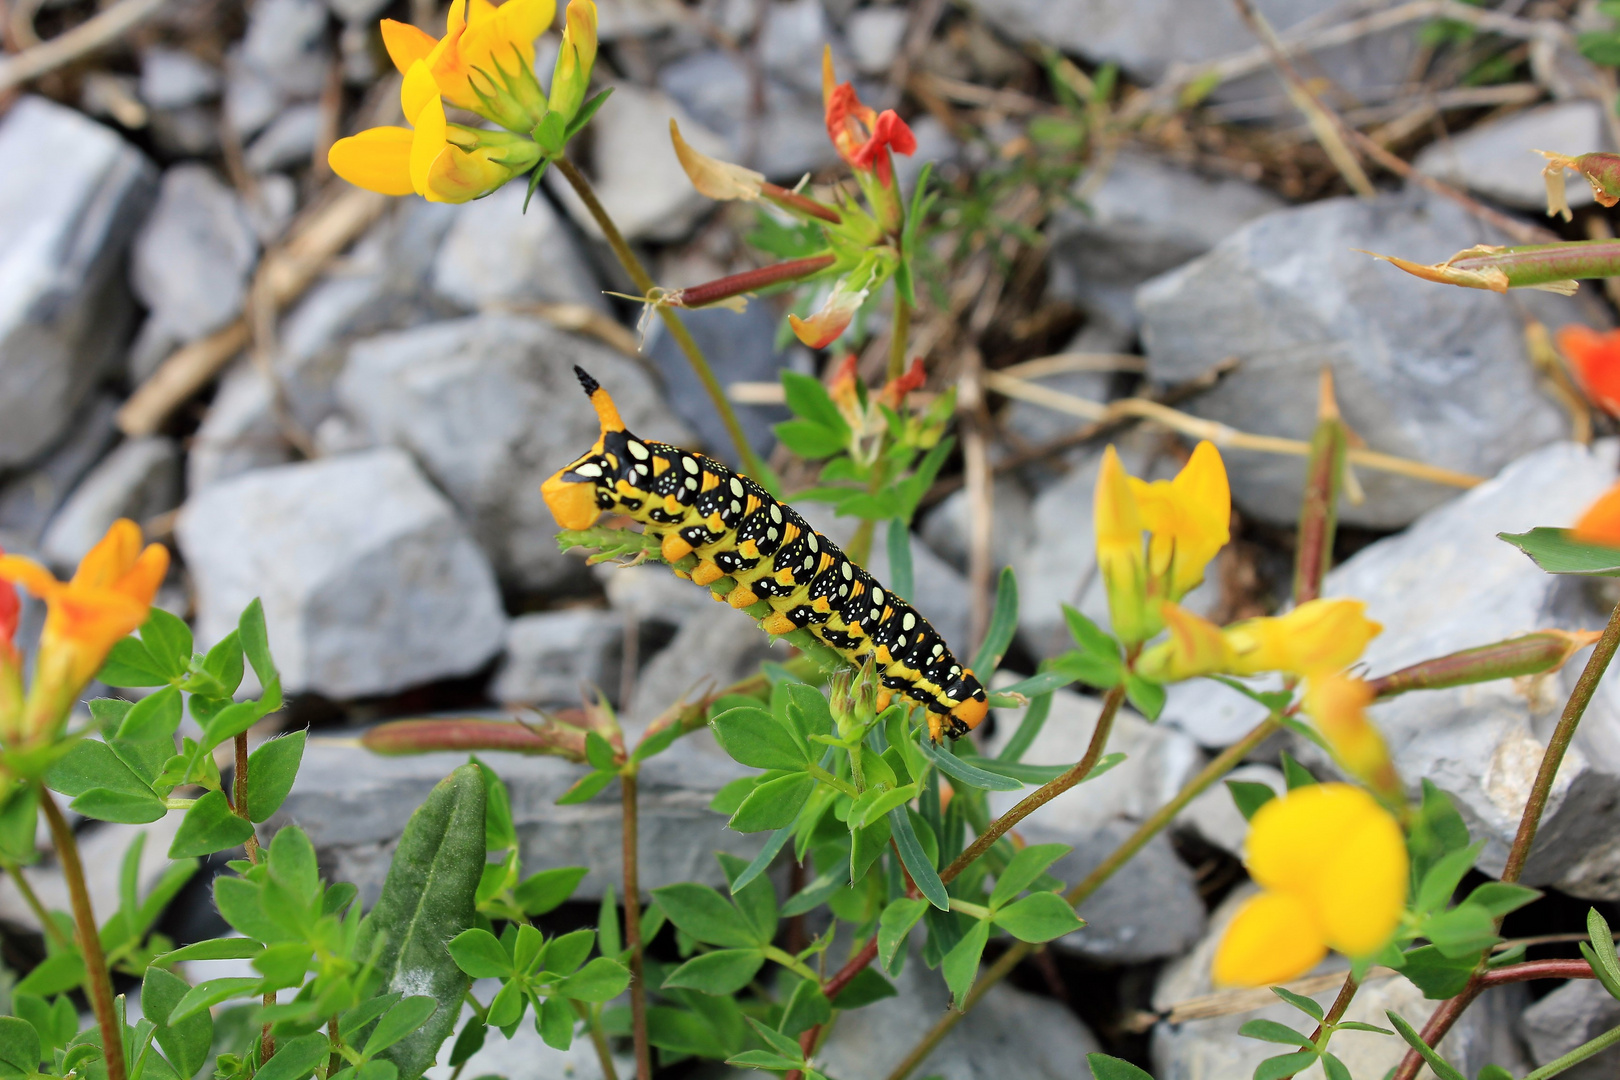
(1196, 647)
(108, 597)
(440, 161)
(1333, 866)
(572, 75)
(485, 61)
(1188, 520)
(1318, 636)
(1338, 703)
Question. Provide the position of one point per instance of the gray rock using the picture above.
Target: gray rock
(712, 650)
(792, 40)
(139, 480)
(497, 253)
(102, 846)
(1008, 1034)
(252, 98)
(635, 18)
(1576, 1012)
(288, 140)
(1146, 217)
(557, 657)
(354, 805)
(271, 206)
(948, 528)
(174, 78)
(28, 500)
(1498, 160)
(525, 1054)
(1433, 373)
(370, 583)
(356, 12)
(1158, 761)
(648, 592)
(1213, 1050)
(637, 177)
(491, 407)
(1147, 39)
(740, 347)
(285, 42)
(239, 434)
(875, 35)
(188, 132)
(1149, 910)
(1215, 819)
(67, 308)
(785, 141)
(191, 261)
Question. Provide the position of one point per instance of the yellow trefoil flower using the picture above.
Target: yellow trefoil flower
(1333, 866)
(1318, 637)
(1187, 519)
(485, 61)
(108, 597)
(440, 161)
(1338, 704)
(572, 75)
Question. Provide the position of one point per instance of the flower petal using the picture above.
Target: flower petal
(1293, 838)
(427, 143)
(417, 90)
(1273, 938)
(378, 159)
(406, 44)
(111, 557)
(714, 179)
(1594, 359)
(1601, 522)
(1361, 892)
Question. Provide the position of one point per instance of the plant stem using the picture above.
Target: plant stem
(98, 981)
(593, 1024)
(1577, 1055)
(899, 339)
(1335, 1013)
(334, 1062)
(239, 805)
(632, 929)
(683, 337)
(31, 898)
(1536, 805)
(1218, 767)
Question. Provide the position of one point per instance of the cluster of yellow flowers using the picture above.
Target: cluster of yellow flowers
(1330, 858)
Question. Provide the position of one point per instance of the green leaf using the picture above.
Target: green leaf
(1091, 638)
(1104, 1067)
(1465, 930)
(1249, 796)
(1147, 696)
(1489, 1072)
(724, 971)
(155, 716)
(187, 1043)
(255, 641)
(20, 1053)
(1558, 552)
(1295, 774)
(808, 398)
(960, 770)
(272, 768)
(607, 923)
(296, 1058)
(398, 1022)
(917, 861)
(1500, 898)
(767, 854)
(1285, 1065)
(1271, 1031)
(209, 826)
(875, 803)
(104, 804)
(774, 804)
(755, 738)
(352, 1023)
(588, 787)
(894, 926)
(480, 954)
(897, 538)
(1038, 917)
(229, 948)
(1356, 1025)
(1444, 876)
(1306, 1005)
(469, 1042)
(866, 987)
(1028, 728)
(806, 1007)
(93, 764)
(53, 975)
(1441, 1067)
(428, 899)
(1003, 625)
(130, 664)
(586, 111)
(1022, 870)
(205, 995)
(540, 893)
(1438, 976)
(704, 914)
(224, 663)
(230, 722)
(1437, 829)
(1600, 953)
(810, 440)
(599, 752)
(600, 980)
(168, 639)
(961, 965)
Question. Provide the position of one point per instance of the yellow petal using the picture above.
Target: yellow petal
(456, 18)
(23, 571)
(1120, 559)
(378, 159)
(1317, 637)
(522, 21)
(456, 176)
(406, 44)
(111, 558)
(1361, 891)
(1196, 647)
(1338, 704)
(715, 179)
(1189, 519)
(1272, 939)
(417, 90)
(427, 143)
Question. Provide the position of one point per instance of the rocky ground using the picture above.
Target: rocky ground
(368, 459)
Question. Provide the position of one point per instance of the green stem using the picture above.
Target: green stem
(31, 898)
(98, 981)
(239, 804)
(683, 337)
(792, 963)
(632, 928)
(898, 340)
(593, 1024)
(1577, 1055)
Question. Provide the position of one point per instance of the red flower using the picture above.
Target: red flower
(1595, 358)
(10, 609)
(862, 137)
(895, 392)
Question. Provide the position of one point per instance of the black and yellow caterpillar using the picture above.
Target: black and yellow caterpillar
(695, 505)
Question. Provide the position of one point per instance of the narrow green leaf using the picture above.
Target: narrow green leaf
(1557, 552)
(187, 1043)
(209, 826)
(1028, 728)
(405, 1017)
(1334, 1069)
(894, 926)
(587, 787)
(1442, 1068)
(916, 860)
(1038, 917)
(1146, 695)
(1295, 774)
(707, 916)
(876, 803)
(898, 540)
(1003, 625)
(206, 995)
(1104, 1067)
(600, 980)
(763, 860)
(1249, 796)
(229, 948)
(808, 398)
(775, 804)
(1023, 868)
(1271, 1031)
(296, 1058)
(960, 770)
(354, 1022)
(1501, 898)
(540, 893)
(255, 641)
(961, 964)
(806, 1007)
(1464, 931)
(1285, 1065)
(1306, 1005)
(866, 987)
(1444, 876)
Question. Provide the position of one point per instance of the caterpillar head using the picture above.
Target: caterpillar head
(570, 492)
(973, 706)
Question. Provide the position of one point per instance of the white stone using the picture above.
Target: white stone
(560, 657)
(288, 140)
(174, 78)
(239, 433)
(496, 253)
(1215, 819)
(1497, 158)
(874, 35)
(139, 480)
(65, 307)
(370, 583)
(1575, 1013)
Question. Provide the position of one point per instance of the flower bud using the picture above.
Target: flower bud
(1120, 558)
(572, 76)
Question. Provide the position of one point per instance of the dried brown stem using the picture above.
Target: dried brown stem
(95, 32)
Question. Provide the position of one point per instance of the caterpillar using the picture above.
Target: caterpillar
(693, 504)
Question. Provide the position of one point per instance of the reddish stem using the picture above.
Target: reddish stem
(802, 203)
(712, 292)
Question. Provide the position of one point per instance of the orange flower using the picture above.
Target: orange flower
(108, 597)
(10, 612)
(1595, 359)
(1601, 522)
(823, 328)
(862, 137)
(894, 393)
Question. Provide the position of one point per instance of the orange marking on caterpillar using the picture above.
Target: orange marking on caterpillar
(707, 573)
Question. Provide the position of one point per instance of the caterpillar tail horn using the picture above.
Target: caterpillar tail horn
(572, 498)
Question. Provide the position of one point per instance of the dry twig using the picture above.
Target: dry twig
(98, 30)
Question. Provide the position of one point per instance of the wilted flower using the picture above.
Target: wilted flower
(1333, 866)
(715, 179)
(1602, 172)
(862, 137)
(1594, 357)
(108, 597)
(823, 328)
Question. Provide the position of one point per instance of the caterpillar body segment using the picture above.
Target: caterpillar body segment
(694, 505)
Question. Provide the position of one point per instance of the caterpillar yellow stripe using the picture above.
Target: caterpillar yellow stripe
(695, 505)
